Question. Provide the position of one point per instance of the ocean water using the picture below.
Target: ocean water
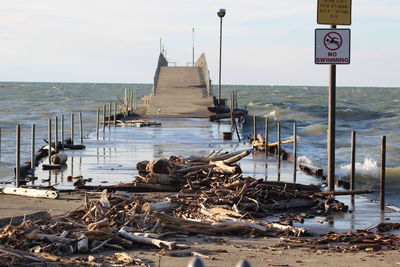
(371, 112)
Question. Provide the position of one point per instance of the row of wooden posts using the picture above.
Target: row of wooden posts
(353, 156)
(49, 141)
(129, 105)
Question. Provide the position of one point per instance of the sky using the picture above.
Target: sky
(265, 42)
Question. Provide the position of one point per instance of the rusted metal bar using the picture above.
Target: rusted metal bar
(81, 127)
(254, 126)
(266, 136)
(97, 123)
(279, 149)
(72, 128)
(17, 155)
(294, 152)
(353, 161)
(383, 172)
(62, 132)
(33, 158)
(56, 134)
(49, 137)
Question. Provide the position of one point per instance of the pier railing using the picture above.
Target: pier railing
(162, 62)
(202, 64)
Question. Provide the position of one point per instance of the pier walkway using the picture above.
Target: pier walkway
(180, 92)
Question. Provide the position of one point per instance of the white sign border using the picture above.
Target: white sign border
(315, 46)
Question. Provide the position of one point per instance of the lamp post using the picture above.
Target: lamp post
(193, 46)
(221, 13)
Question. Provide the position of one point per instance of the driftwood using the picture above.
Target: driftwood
(165, 206)
(29, 192)
(59, 158)
(146, 240)
(36, 216)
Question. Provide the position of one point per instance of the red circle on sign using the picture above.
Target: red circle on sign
(333, 41)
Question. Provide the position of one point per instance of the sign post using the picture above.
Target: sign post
(332, 12)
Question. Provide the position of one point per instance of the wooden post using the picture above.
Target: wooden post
(232, 118)
(294, 152)
(104, 119)
(134, 100)
(115, 114)
(56, 134)
(81, 127)
(254, 127)
(109, 115)
(72, 128)
(33, 160)
(97, 123)
(266, 136)
(131, 101)
(383, 172)
(49, 137)
(17, 155)
(353, 161)
(62, 132)
(279, 145)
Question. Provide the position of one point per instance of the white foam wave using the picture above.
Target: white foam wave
(369, 167)
(314, 129)
(304, 159)
(271, 115)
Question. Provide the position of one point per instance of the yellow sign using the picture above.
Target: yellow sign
(334, 12)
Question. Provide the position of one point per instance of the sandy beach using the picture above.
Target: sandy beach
(222, 250)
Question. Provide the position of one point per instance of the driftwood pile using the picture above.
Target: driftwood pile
(362, 240)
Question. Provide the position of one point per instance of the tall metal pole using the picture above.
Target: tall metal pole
(331, 125)
(56, 134)
(193, 46)
(294, 152)
(279, 150)
(220, 61)
(353, 161)
(81, 127)
(0, 146)
(104, 119)
(62, 132)
(254, 127)
(97, 123)
(17, 155)
(266, 136)
(115, 114)
(33, 160)
(49, 133)
(383, 172)
(109, 115)
(72, 128)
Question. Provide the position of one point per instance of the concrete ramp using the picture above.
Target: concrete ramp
(180, 92)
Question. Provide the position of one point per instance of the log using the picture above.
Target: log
(224, 168)
(344, 193)
(311, 170)
(36, 216)
(164, 206)
(297, 231)
(237, 157)
(300, 204)
(98, 224)
(59, 158)
(162, 166)
(29, 192)
(131, 187)
(165, 179)
(195, 168)
(74, 147)
(146, 240)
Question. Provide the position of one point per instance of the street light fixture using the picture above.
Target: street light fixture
(221, 13)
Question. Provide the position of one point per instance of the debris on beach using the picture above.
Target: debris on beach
(207, 196)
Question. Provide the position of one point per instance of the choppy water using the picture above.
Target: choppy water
(372, 112)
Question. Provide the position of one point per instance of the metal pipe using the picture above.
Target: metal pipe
(383, 172)
(62, 132)
(109, 115)
(49, 137)
(115, 113)
(353, 161)
(81, 127)
(266, 136)
(254, 127)
(56, 135)
(134, 100)
(17, 155)
(33, 160)
(72, 128)
(294, 152)
(279, 144)
(97, 123)
(104, 119)
(220, 61)
(0, 146)
(331, 125)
